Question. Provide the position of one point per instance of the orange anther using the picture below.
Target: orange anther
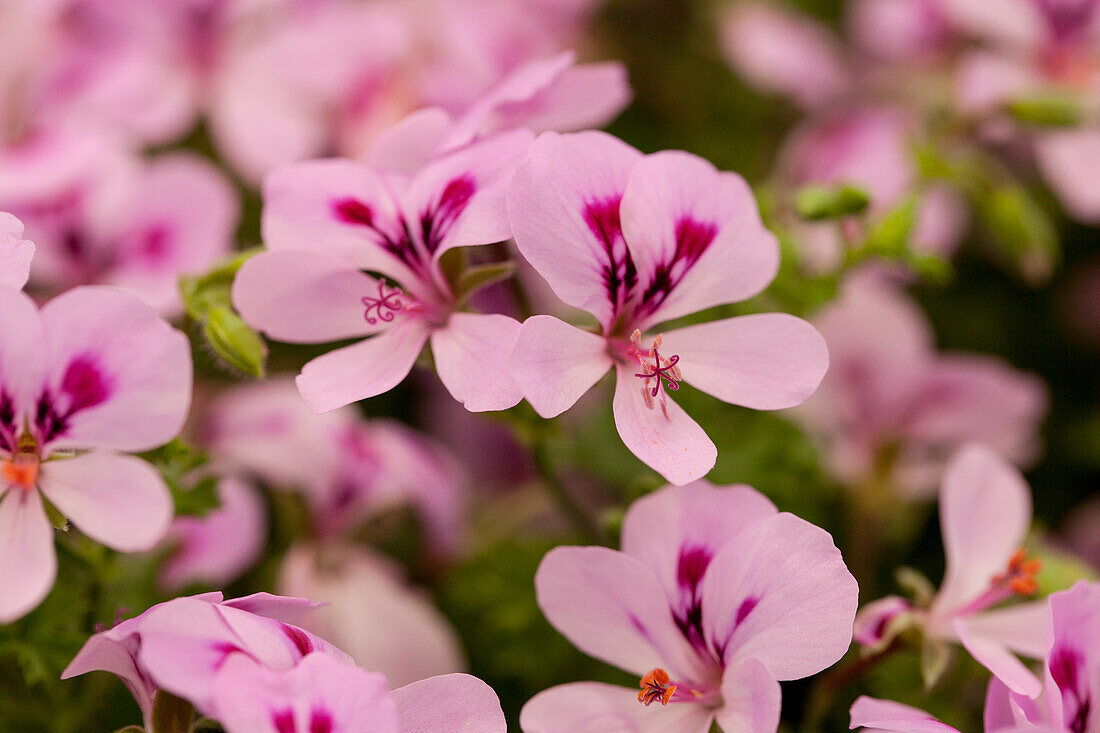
(1020, 574)
(21, 470)
(655, 686)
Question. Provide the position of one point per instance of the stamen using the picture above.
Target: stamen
(655, 686)
(385, 305)
(1019, 577)
(21, 470)
(663, 368)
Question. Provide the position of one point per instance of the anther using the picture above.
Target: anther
(655, 686)
(385, 305)
(662, 369)
(21, 470)
(1019, 577)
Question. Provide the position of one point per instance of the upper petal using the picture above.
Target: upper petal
(563, 204)
(310, 297)
(554, 363)
(779, 591)
(594, 707)
(695, 236)
(27, 560)
(128, 369)
(362, 370)
(452, 703)
(662, 436)
(15, 252)
(613, 608)
(766, 361)
(472, 359)
(985, 513)
(21, 357)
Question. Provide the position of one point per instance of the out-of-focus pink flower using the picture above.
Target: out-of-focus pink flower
(326, 221)
(98, 372)
(713, 598)
(216, 548)
(181, 645)
(1082, 532)
(15, 252)
(985, 513)
(636, 241)
(899, 30)
(891, 404)
(347, 469)
(371, 613)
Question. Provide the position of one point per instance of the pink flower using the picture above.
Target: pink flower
(181, 645)
(371, 612)
(890, 397)
(95, 372)
(15, 252)
(985, 514)
(713, 598)
(218, 547)
(321, 694)
(347, 469)
(636, 241)
(326, 221)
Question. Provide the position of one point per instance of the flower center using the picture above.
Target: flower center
(656, 686)
(385, 306)
(656, 370)
(1018, 579)
(21, 470)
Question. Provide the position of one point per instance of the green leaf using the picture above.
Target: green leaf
(934, 657)
(1047, 110)
(1022, 229)
(916, 586)
(1060, 569)
(818, 202)
(171, 714)
(177, 461)
(890, 236)
(236, 343)
(202, 293)
(475, 278)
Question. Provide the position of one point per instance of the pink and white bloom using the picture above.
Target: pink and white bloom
(15, 252)
(181, 645)
(326, 221)
(93, 375)
(985, 514)
(636, 241)
(371, 612)
(890, 400)
(714, 597)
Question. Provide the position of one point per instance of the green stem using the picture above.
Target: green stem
(828, 686)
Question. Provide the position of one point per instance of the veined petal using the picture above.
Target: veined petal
(21, 358)
(362, 370)
(554, 363)
(27, 560)
(766, 361)
(451, 703)
(471, 357)
(613, 608)
(751, 698)
(595, 707)
(15, 252)
(779, 591)
(119, 501)
(985, 512)
(695, 237)
(995, 656)
(887, 715)
(309, 297)
(662, 436)
(563, 204)
(123, 371)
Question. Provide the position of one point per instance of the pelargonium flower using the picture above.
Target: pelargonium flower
(893, 409)
(91, 376)
(636, 241)
(180, 645)
(714, 597)
(1069, 691)
(985, 514)
(321, 694)
(326, 221)
(15, 252)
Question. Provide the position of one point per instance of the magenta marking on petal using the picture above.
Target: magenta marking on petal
(320, 721)
(283, 721)
(1067, 668)
(693, 238)
(1067, 19)
(436, 221)
(300, 638)
(619, 273)
(353, 211)
(156, 242)
(745, 609)
(691, 565)
(85, 383)
(9, 430)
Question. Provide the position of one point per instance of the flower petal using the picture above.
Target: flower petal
(21, 355)
(766, 361)
(779, 591)
(1024, 627)
(27, 560)
(362, 370)
(308, 297)
(119, 501)
(594, 707)
(471, 357)
(137, 366)
(663, 437)
(452, 703)
(613, 608)
(751, 698)
(995, 656)
(695, 236)
(985, 512)
(868, 712)
(563, 204)
(15, 252)
(554, 364)
(1068, 161)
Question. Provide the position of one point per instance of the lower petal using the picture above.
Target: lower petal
(366, 369)
(120, 501)
(992, 654)
(868, 712)
(471, 356)
(555, 363)
(28, 564)
(1069, 161)
(751, 698)
(594, 707)
(662, 436)
(450, 703)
